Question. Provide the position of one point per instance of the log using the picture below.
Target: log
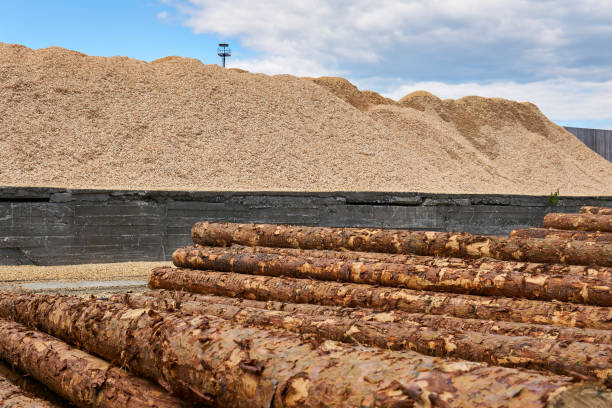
(31, 387)
(82, 379)
(12, 396)
(583, 360)
(579, 222)
(482, 264)
(568, 288)
(430, 243)
(191, 303)
(380, 298)
(571, 235)
(229, 365)
(596, 210)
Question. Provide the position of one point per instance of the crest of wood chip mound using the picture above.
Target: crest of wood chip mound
(71, 120)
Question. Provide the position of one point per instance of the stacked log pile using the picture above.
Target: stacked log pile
(284, 316)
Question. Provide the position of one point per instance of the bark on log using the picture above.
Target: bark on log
(481, 264)
(32, 387)
(572, 235)
(568, 288)
(81, 378)
(596, 210)
(12, 396)
(431, 243)
(229, 365)
(579, 222)
(583, 360)
(357, 295)
(191, 303)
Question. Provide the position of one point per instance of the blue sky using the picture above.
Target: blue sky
(556, 54)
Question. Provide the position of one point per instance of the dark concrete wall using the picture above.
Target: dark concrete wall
(58, 226)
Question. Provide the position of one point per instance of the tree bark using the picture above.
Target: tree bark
(579, 222)
(230, 365)
(596, 210)
(32, 387)
(583, 360)
(12, 396)
(357, 295)
(82, 379)
(477, 264)
(568, 288)
(572, 235)
(431, 243)
(191, 303)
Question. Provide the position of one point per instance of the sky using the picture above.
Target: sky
(556, 54)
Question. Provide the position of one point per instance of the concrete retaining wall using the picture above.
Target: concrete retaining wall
(58, 226)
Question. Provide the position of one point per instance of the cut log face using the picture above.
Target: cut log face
(12, 396)
(230, 365)
(596, 210)
(557, 234)
(568, 358)
(430, 243)
(570, 288)
(192, 303)
(357, 295)
(81, 378)
(579, 222)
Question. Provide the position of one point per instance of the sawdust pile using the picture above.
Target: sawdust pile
(71, 120)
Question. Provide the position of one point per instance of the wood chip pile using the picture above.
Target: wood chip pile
(258, 315)
(177, 124)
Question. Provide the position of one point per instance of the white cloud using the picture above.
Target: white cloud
(366, 31)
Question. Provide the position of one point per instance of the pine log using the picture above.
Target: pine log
(191, 303)
(579, 222)
(477, 264)
(32, 387)
(358, 295)
(583, 360)
(12, 396)
(430, 243)
(82, 379)
(596, 210)
(572, 235)
(568, 288)
(229, 365)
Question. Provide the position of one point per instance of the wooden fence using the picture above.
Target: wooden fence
(599, 140)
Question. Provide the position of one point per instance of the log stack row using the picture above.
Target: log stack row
(285, 316)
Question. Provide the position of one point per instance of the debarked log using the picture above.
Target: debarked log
(12, 396)
(224, 364)
(569, 288)
(191, 303)
(596, 210)
(583, 360)
(82, 379)
(430, 243)
(579, 222)
(557, 234)
(358, 295)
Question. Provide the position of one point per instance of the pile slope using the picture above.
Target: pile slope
(72, 120)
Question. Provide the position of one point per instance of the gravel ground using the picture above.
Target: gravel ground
(99, 279)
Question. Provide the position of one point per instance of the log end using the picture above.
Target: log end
(582, 395)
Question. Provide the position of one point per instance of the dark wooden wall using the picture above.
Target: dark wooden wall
(599, 140)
